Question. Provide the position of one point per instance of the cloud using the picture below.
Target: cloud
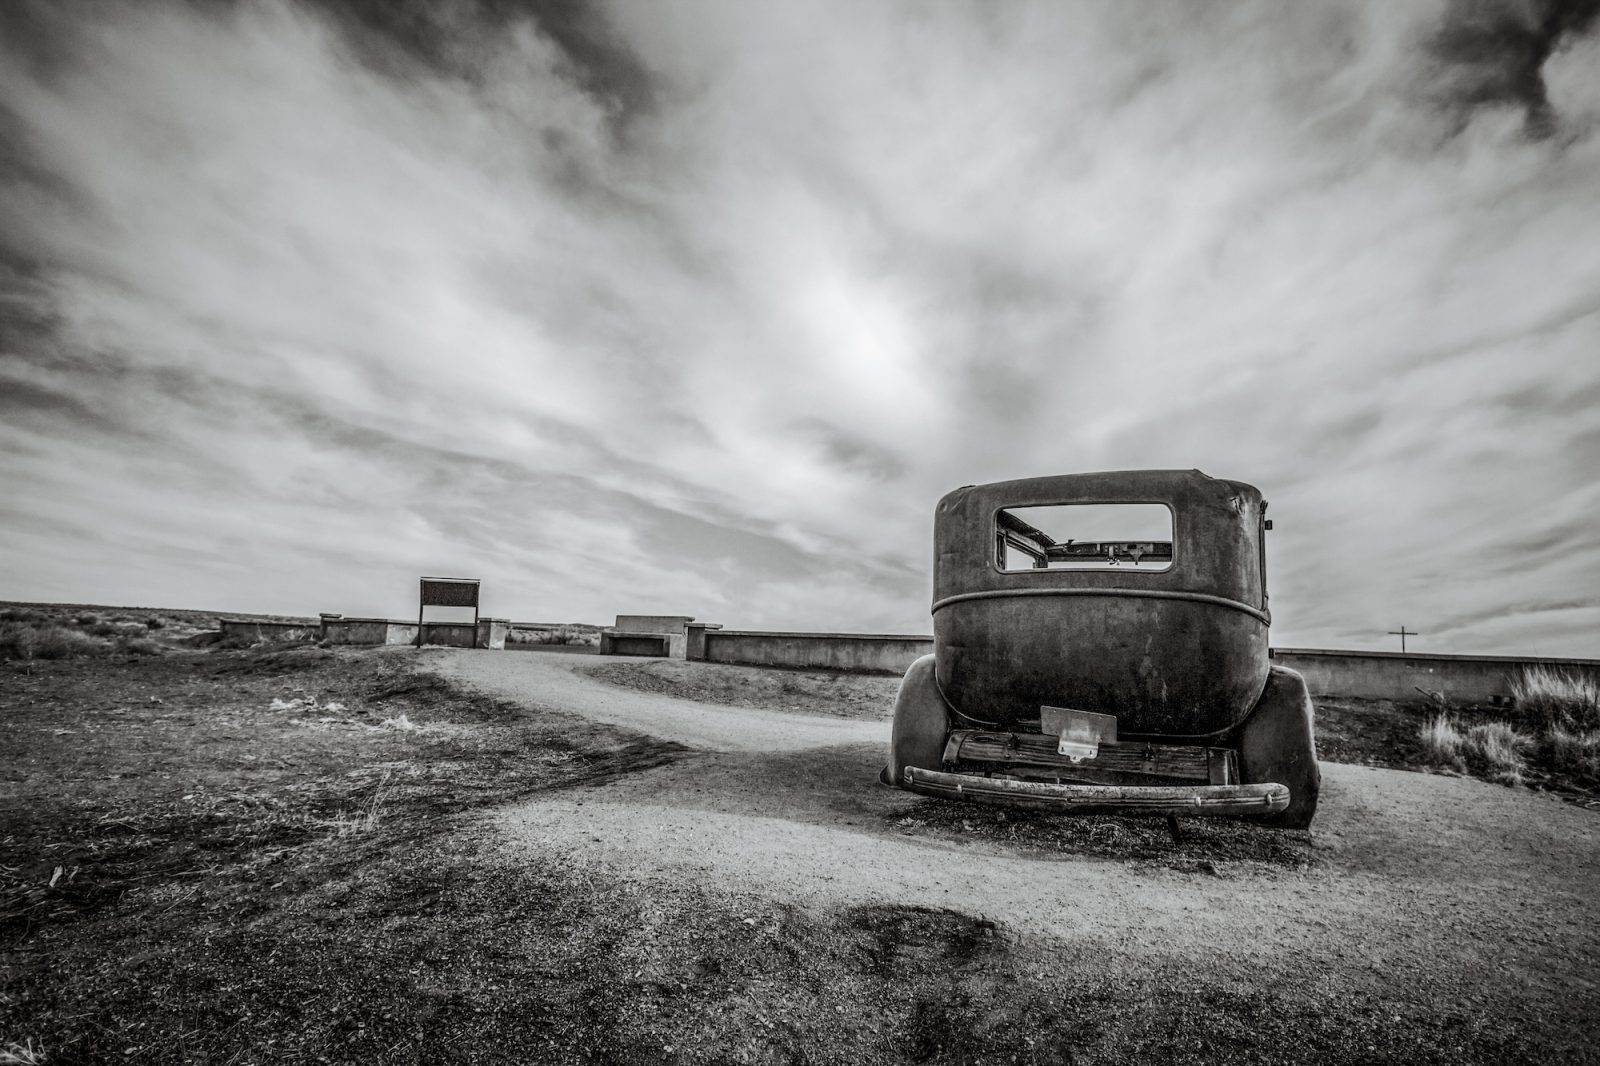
(1492, 53)
(700, 307)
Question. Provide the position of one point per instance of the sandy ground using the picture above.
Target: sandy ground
(1422, 894)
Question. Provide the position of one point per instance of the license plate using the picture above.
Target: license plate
(1079, 734)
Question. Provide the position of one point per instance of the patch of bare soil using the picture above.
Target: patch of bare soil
(1370, 732)
(825, 693)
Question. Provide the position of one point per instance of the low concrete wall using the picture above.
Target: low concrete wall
(492, 632)
(866, 653)
(400, 632)
(450, 634)
(274, 631)
(652, 623)
(357, 630)
(1385, 675)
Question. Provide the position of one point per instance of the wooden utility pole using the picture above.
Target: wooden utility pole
(1403, 633)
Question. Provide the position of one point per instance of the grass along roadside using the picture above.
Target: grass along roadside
(1551, 737)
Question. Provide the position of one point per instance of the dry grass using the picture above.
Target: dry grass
(1577, 754)
(1558, 699)
(35, 640)
(363, 820)
(26, 1053)
(1494, 750)
(1442, 740)
(565, 635)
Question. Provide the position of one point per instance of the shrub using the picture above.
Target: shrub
(1574, 753)
(1442, 741)
(87, 619)
(19, 640)
(138, 646)
(1558, 699)
(1498, 749)
(154, 622)
(1494, 749)
(21, 614)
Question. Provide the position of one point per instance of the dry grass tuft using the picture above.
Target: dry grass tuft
(31, 640)
(1558, 699)
(1442, 741)
(1494, 749)
(25, 1054)
(361, 821)
(1577, 754)
(139, 646)
(1498, 746)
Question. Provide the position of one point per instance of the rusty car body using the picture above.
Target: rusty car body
(1106, 675)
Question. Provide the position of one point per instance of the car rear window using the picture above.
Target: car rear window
(1084, 536)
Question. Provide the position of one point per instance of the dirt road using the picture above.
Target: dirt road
(1418, 896)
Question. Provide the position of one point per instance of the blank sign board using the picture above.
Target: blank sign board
(449, 592)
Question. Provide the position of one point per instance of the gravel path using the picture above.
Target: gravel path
(1426, 894)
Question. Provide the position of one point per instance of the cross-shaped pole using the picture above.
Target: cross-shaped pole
(1403, 633)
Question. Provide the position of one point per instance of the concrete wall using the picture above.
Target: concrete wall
(492, 632)
(357, 630)
(369, 631)
(867, 653)
(672, 631)
(1397, 676)
(450, 634)
(260, 631)
(652, 623)
(400, 632)
(653, 645)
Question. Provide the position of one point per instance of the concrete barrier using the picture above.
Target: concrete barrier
(358, 630)
(1387, 675)
(256, 632)
(639, 634)
(867, 653)
(336, 629)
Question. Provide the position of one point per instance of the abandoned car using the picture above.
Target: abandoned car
(1100, 645)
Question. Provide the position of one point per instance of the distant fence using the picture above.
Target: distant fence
(870, 653)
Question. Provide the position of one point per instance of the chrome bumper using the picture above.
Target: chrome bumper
(1191, 801)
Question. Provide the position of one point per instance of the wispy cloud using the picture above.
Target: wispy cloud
(699, 307)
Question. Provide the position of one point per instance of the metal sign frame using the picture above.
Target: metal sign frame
(448, 592)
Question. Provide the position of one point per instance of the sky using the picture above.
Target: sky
(698, 308)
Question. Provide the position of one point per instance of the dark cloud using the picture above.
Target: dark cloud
(1491, 53)
(454, 37)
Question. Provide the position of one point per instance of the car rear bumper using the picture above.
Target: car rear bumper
(1192, 801)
